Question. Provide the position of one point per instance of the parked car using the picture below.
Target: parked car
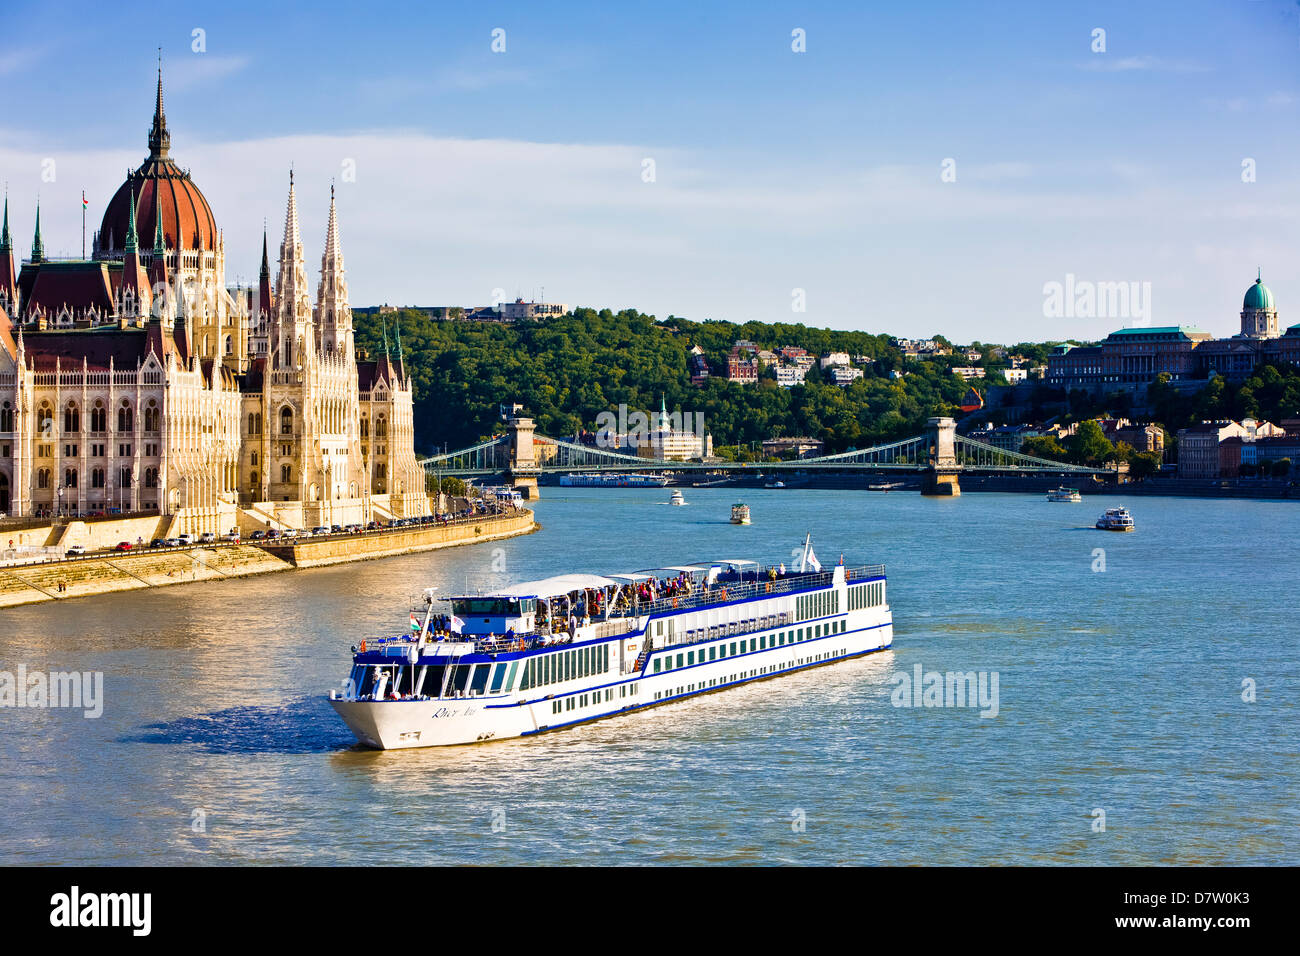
(123, 546)
(372, 526)
(273, 533)
(336, 529)
(289, 533)
(172, 543)
(186, 539)
(74, 550)
(257, 535)
(158, 543)
(320, 529)
(232, 536)
(208, 537)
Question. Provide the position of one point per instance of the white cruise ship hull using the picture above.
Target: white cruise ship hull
(643, 672)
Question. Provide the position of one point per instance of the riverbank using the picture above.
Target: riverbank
(128, 571)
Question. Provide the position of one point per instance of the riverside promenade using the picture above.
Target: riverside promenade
(109, 572)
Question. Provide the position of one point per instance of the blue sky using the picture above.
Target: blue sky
(774, 170)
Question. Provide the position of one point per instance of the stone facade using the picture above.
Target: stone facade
(135, 381)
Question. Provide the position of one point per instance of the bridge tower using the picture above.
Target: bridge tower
(523, 469)
(942, 469)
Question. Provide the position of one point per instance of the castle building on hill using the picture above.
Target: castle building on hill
(136, 381)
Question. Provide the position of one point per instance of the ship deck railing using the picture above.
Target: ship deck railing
(730, 592)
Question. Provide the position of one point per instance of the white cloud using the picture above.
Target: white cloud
(445, 221)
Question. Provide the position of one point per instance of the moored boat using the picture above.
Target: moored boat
(740, 513)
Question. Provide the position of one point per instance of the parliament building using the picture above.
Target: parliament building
(136, 381)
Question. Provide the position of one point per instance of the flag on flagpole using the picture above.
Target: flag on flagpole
(84, 201)
(416, 623)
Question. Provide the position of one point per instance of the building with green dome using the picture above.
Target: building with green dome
(1258, 313)
(1132, 358)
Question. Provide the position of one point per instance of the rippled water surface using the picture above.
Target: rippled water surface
(1119, 690)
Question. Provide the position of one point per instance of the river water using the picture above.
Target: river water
(1120, 691)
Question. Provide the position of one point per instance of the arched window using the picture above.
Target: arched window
(71, 418)
(124, 478)
(286, 474)
(254, 461)
(97, 478)
(365, 427)
(151, 477)
(286, 421)
(98, 417)
(253, 481)
(230, 345)
(43, 478)
(381, 427)
(151, 416)
(45, 421)
(6, 417)
(70, 478)
(125, 420)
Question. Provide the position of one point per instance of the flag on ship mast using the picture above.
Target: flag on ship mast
(807, 559)
(457, 624)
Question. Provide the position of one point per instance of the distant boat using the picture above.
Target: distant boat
(1116, 519)
(775, 484)
(740, 513)
(887, 486)
(678, 498)
(1065, 494)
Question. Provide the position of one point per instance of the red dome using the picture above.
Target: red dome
(186, 217)
(187, 220)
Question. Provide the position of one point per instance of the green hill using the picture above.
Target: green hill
(567, 370)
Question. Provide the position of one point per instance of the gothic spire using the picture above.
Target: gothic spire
(159, 139)
(6, 240)
(159, 242)
(397, 333)
(266, 263)
(130, 245)
(38, 247)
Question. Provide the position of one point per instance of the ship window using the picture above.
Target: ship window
(690, 657)
(680, 660)
(657, 664)
(497, 677)
(433, 675)
(361, 680)
(713, 653)
(460, 677)
(479, 683)
(510, 681)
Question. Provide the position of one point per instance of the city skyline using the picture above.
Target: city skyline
(480, 173)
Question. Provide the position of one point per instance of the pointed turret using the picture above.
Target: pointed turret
(135, 298)
(38, 247)
(8, 272)
(293, 323)
(158, 265)
(160, 140)
(264, 302)
(333, 311)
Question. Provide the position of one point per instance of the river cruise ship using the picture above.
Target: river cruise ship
(546, 655)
